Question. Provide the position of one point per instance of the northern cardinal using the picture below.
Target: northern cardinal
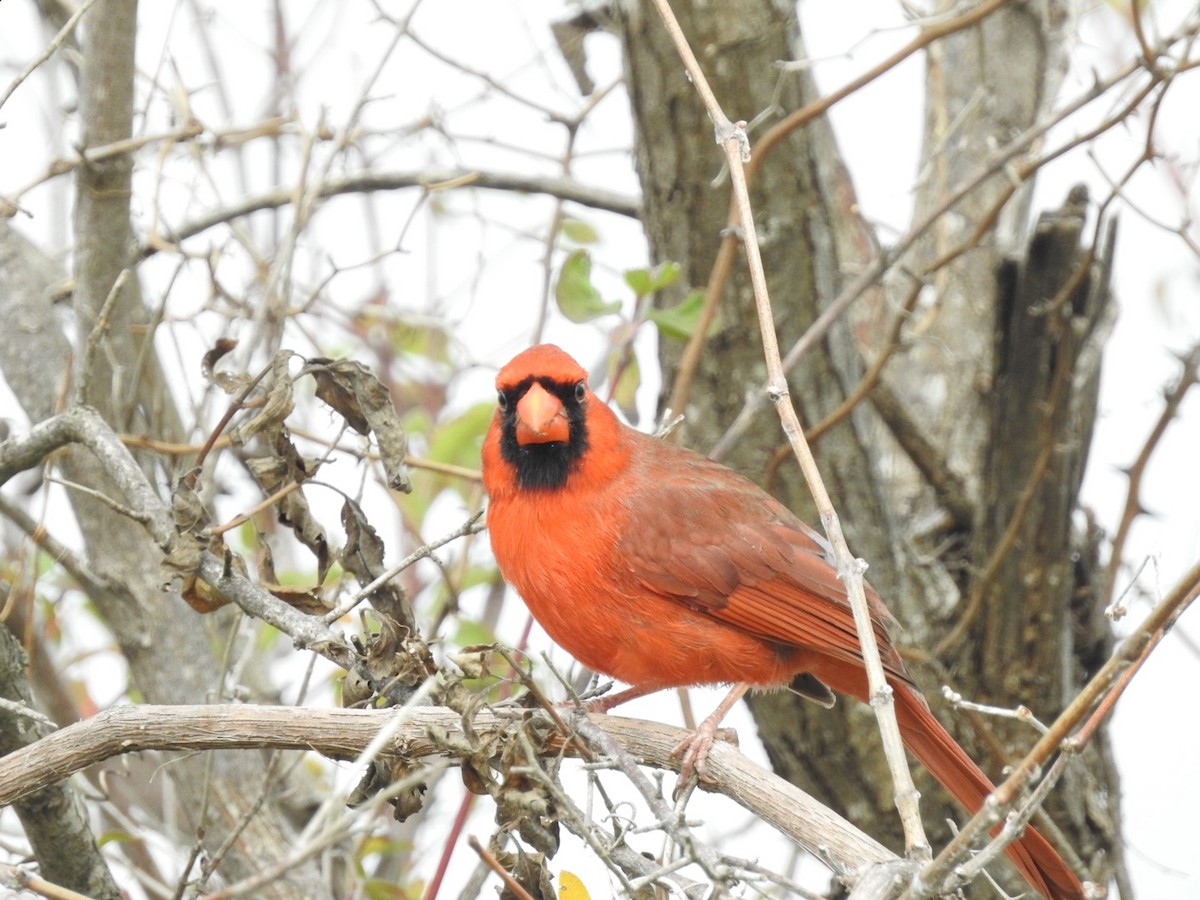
(661, 568)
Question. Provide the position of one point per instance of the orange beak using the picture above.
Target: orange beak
(541, 418)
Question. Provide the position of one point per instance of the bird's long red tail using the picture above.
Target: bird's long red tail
(929, 742)
(946, 761)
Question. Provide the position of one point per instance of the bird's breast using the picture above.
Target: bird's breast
(562, 554)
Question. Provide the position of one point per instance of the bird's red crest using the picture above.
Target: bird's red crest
(544, 361)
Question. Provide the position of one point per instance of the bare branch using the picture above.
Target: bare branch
(51, 48)
(343, 733)
(428, 179)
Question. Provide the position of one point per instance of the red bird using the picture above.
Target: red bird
(661, 568)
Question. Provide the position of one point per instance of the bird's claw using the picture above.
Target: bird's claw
(694, 749)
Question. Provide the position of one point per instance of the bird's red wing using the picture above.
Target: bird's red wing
(744, 567)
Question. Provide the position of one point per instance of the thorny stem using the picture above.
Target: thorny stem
(1135, 472)
(735, 144)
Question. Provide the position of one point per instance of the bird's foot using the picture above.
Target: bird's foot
(694, 748)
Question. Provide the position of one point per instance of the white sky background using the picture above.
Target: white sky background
(479, 264)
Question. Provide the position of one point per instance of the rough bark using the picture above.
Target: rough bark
(1040, 631)
(959, 405)
(983, 87)
(53, 818)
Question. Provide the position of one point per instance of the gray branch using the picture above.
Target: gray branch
(428, 179)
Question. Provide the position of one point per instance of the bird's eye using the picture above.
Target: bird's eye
(580, 391)
(501, 401)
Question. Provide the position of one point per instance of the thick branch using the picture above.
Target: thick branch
(343, 733)
(83, 425)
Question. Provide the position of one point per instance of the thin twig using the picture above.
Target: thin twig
(20, 709)
(511, 885)
(101, 497)
(471, 526)
(1057, 736)
(1136, 471)
(96, 335)
(11, 876)
(734, 142)
(249, 514)
(427, 178)
(57, 41)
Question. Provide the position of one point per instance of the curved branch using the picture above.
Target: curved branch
(343, 733)
(428, 179)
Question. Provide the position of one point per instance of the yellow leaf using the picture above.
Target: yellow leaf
(570, 887)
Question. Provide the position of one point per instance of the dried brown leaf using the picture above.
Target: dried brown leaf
(353, 391)
(277, 406)
(229, 382)
(306, 600)
(362, 556)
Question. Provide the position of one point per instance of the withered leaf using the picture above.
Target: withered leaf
(531, 873)
(277, 406)
(184, 557)
(213, 356)
(393, 662)
(475, 662)
(187, 545)
(356, 690)
(362, 400)
(382, 773)
(362, 556)
(200, 596)
(306, 600)
(476, 778)
(266, 563)
(525, 800)
(363, 553)
(272, 473)
(187, 509)
(229, 382)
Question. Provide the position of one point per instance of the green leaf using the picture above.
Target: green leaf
(679, 321)
(457, 441)
(414, 337)
(579, 232)
(647, 281)
(472, 634)
(624, 390)
(377, 889)
(576, 295)
(111, 837)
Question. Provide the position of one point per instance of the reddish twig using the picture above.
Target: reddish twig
(732, 139)
(1136, 471)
